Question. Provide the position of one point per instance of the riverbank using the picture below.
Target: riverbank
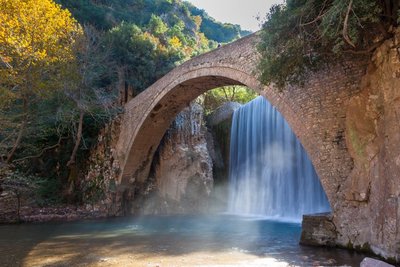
(57, 213)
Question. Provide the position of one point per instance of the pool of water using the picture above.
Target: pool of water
(220, 240)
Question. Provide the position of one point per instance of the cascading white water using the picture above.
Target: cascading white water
(270, 173)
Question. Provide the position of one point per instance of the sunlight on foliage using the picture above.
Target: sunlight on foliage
(35, 30)
(175, 42)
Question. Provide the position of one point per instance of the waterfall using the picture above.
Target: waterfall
(270, 173)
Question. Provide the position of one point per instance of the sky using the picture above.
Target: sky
(242, 12)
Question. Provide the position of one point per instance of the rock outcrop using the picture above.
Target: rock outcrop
(370, 214)
(181, 178)
(98, 186)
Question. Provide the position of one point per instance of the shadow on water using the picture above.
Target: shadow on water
(138, 239)
(17, 240)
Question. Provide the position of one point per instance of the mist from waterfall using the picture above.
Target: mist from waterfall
(270, 173)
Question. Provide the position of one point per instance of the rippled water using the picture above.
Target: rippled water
(221, 240)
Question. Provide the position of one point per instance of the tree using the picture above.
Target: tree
(303, 34)
(139, 56)
(157, 26)
(83, 84)
(86, 93)
(35, 37)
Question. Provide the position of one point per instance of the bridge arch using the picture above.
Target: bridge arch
(320, 131)
(159, 114)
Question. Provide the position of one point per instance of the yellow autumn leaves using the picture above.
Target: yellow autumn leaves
(34, 36)
(175, 43)
(35, 30)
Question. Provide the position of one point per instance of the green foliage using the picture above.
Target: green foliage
(106, 15)
(157, 26)
(148, 38)
(216, 97)
(282, 48)
(49, 191)
(43, 191)
(304, 34)
(85, 76)
(140, 55)
(17, 182)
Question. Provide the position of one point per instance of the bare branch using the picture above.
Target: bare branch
(20, 133)
(320, 16)
(6, 63)
(42, 152)
(346, 25)
(366, 51)
(7, 138)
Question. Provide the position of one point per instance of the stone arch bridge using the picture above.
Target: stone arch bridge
(316, 112)
(346, 116)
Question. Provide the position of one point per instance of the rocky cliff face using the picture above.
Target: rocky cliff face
(181, 178)
(370, 214)
(98, 185)
(367, 215)
(218, 141)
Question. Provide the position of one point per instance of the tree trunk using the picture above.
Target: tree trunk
(22, 127)
(78, 139)
(18, 207)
